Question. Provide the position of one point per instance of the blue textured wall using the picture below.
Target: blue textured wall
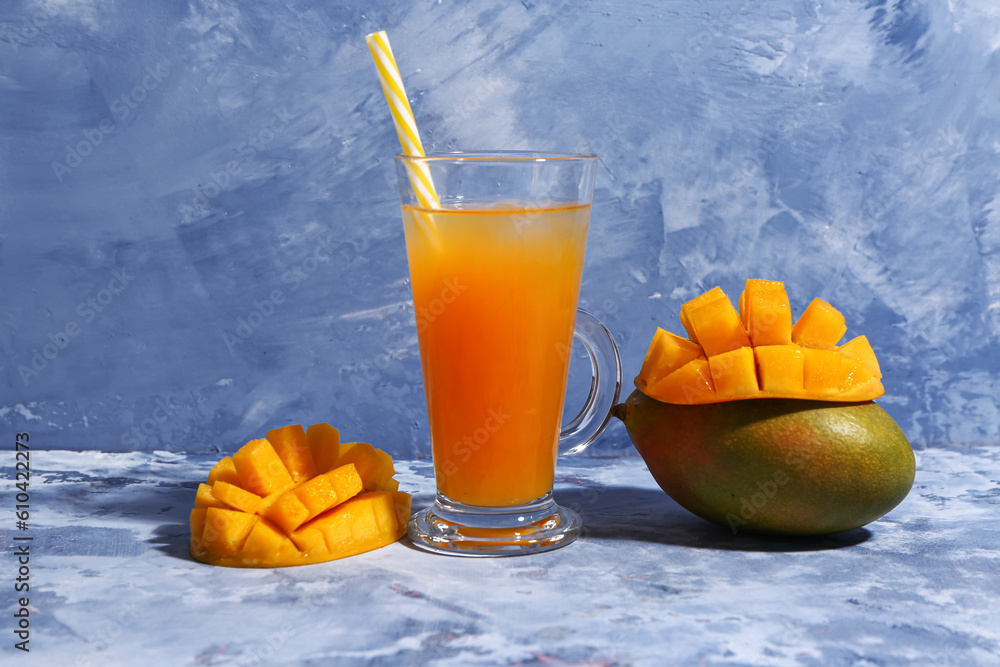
(169, 169)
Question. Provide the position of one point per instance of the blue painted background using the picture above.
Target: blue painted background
(199, 233)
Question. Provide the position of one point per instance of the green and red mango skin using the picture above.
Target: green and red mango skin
(780, 466)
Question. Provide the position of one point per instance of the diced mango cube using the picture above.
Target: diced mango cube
(666, 353)
(691, 383)
(224, 471)
(385, 515)
(820, 370)
(205, 498)
(266, 544)
(226, 530)
(310, 541)
(318, 495)
(865, 391)
(766, 313)
(271, 498)
(324, 442)
(365, 522)
(260, 469)
(821, 326)
(734, 373)
(235, 497)
(315, 497)
(713, 294)
(292, 447)
(288, 512)
(718, 327)
(401, 504)
(374, 465)
(859, 348)
(852, 374)
(198, 522)
(779, 368)
(346, 481)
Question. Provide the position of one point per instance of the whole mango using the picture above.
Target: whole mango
(769, 465)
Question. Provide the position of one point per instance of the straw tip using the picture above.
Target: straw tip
(371, 36)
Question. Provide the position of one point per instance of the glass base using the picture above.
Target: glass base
(452, 528)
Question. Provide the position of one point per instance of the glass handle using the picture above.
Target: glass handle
(605, 384)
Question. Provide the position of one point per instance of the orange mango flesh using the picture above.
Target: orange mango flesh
(374, 465)
(758, 353)
(290, 444)
(324, 444)
(820, 326)
(718, 327)
(224, 471)
(734, 373)
(667, 353)
(260, 469)
(765, 313)
(299, 499)
(713, 294)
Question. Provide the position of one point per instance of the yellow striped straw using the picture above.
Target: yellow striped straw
(406, 125)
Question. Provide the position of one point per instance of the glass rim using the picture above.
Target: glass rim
(497, 156)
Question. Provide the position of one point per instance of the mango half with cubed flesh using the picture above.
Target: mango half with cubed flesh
(760, 425)
(297, 497)
(758, 353)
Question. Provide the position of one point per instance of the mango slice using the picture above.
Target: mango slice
(734, 373)
(290, 444)
(718, 327)
(666, 353)
(689, 384)
(765, 313)
(374, 465)
(821, 326)
(224, 471)
(234, 496)
(297, 497)
(758, 353)
(324, 443)
(260, 469)
(779, 368)
(711, 295)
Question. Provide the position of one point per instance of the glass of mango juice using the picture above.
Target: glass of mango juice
(495, 266)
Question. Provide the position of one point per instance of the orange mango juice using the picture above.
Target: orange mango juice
(495, 299)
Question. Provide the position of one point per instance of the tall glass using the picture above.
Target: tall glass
(495, 272)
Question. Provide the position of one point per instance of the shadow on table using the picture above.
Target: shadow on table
(609, 513)
(649, 515)
(173, 539)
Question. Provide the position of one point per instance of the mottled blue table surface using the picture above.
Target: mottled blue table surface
(649, 584)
